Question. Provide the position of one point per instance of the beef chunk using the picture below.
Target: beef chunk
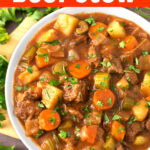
(73, 55)
(119, 147)
(134, 93)
(116, 66)
(148, 124)
(78, 40)
(94, 117)
(31, 95)
(133, 130)
(27, 109)
(75, 92)
(31, 127)
(77, 113)
(132, 78)
(102, 39)
(92, 56)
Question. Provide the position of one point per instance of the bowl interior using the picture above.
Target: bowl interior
(117, 11)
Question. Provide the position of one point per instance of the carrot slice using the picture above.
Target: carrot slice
(91, 133)
(103, 99)
(97, 30)
(147, 98)
(130, 43)
(118, 131)
(49, 120)
(41, 61)
(80, 69)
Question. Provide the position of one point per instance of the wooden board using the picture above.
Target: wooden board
(7, 50)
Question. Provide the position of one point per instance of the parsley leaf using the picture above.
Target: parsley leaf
(40, 132)
(90, 20)
(29, 69)
(46, 57)
(131, 67)
(101, 29)
(122, 44)
(116, 117)
(41, 105)
(106, 118)
(131, 120)
(53, 82)
(55, 42)
(63, 134)
(145, 53)
(18, 88)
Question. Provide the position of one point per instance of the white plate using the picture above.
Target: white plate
(117, 11)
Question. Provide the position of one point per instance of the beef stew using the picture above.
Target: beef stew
(84, 83)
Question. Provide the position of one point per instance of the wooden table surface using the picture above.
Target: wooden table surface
(5, 140)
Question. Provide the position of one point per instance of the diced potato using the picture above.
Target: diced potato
(140, 140)
(122, 84)
(116, 30)
(49, 35)
(109, 144)
(66, 24)
(145, 85)
(27, 77)
(140, 111)
(50, 96)
(101, 80)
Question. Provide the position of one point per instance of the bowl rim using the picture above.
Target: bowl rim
(19, 50)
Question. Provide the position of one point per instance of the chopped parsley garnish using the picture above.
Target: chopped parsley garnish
(74, 117)
(38, 44)
(29, 69)
(52, 120)
(90, 20)
(63, 134)
(46, 57)
(55, 42)
(25, 87)
(113, 87)
(99, 103)
(136, 61)
(131, 67)
(41, 79)
(108, 64)
(91, 148)
(131, 120)
(137, 103)
(109, 101)
(129, 79)
(106, 118)
(116, 117)
(41, 105)
(122, 44)
(18, 88)
(95, 70)
(90, 123)
(40, 132)
(101, 29)
(73, 80)
(145, 53)
(69, 86)
(77, 66)
(97, 38)
(53, 82)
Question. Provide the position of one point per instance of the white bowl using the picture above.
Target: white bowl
(120, 12)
